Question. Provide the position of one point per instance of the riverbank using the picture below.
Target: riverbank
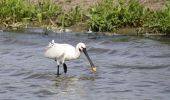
(148, 16)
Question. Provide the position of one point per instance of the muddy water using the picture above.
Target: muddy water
(128, 68)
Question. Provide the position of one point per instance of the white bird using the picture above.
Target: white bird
(66, 52)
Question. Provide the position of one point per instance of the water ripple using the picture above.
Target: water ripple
(43, 93)
(128, 68)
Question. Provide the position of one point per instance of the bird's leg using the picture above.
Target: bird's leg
(65, 68)
(58, 65)
(58, 70)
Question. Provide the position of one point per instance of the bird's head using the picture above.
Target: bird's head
(82, 48)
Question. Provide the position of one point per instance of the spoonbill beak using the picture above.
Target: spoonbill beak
(91, 63)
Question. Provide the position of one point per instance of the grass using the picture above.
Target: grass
(71, 17)
(12, 11)
(107, 15)
(159, 21)
(44, 12)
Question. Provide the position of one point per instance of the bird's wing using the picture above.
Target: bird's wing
(54, 51)
(70, 52)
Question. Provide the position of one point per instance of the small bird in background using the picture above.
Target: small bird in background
(65, 52)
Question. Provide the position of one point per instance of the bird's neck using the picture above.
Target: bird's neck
(77, 53)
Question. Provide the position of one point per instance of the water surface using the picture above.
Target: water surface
(128, 68)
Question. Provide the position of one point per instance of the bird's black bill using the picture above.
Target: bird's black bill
(85, 52)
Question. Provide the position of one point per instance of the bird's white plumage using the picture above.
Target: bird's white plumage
(62, 52)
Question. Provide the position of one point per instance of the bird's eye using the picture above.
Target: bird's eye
(81, 49)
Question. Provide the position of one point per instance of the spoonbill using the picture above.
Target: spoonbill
(65, 52)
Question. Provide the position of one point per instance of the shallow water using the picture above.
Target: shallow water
(128, 68)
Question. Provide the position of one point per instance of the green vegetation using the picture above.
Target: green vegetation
(159, 21)
(18, 13)
(107, 15)
(71, 17)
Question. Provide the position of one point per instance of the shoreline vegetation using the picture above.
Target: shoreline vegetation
(114, 16)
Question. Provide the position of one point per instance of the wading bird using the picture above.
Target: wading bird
(66, 52)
